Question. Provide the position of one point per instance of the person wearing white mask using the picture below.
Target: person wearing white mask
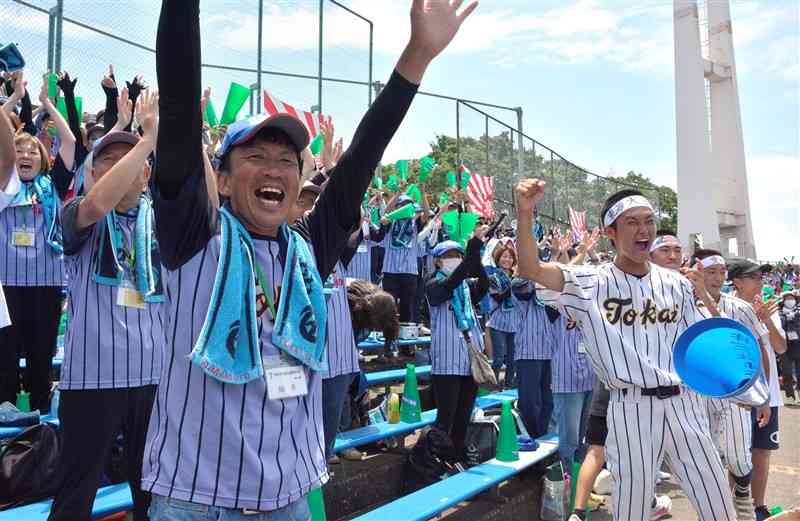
(458, 283)
(790, 360)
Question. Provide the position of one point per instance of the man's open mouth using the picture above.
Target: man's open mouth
(271, 195)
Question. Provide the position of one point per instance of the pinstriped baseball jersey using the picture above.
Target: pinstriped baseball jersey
(534, 338)
(449, 350)
(37, 265)
(360, 265)
(504, 315)
(106, 345)
(401, 260)
(572, 371)
(340, 344)
(223, 444)
(629, 323)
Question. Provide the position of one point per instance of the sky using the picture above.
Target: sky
(594, 78)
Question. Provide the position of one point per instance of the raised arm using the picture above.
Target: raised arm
(109, 85)
(529, 192)
(8, 154)
(67, 147)
(67, 87)
(109, 190)
(180, 142)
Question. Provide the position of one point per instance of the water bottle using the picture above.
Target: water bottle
(54, 401)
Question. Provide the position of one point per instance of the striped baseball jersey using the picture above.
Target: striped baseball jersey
(35, 265)
(107, 345)
(340, 344)
(534, 338)
(505, 314)
(572, 371)
(360, 266)
(449, 350)
(400, 260)
(629, 323)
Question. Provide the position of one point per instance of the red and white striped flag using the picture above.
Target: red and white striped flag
(275, 106)
(480, 193)
(577, 221)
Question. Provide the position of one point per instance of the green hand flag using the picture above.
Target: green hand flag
(317, 144)
(391, 183)
(452, 180)
(460, 225)
(414, 192)
(402, 169)
(237, 96)
(426, 166)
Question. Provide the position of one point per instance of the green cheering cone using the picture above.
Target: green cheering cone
(426, 166)
(52, 85)
(507, 446)
(460, 225)
(452, 180)
(24, 401)
(402, 169)
(316, 504)
(237, 96)
(210, 115)
(410, 411)
(413, 192)
(317, 144)
(406, 212)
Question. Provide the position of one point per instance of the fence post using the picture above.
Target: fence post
(319, 70)
(520, 144)
(51, 38)
(259, 55)
(59, 14)
(458, 131)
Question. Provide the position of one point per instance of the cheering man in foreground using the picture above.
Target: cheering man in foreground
(237, 424)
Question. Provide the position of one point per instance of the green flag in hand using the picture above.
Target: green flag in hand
(402, 169)
(460, 225)
(413, 192)
(391, 183)
(426, 166)
(443, 198)
(377, 182)
(210, 115)
(317, 144)
(452, 180)
(237, 96)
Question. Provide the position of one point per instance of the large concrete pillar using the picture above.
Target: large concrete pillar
(727, 142)
(696, 201)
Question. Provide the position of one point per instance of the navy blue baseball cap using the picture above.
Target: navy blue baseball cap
(446, 246)
(244, 130)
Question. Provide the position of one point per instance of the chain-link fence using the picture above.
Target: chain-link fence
(488, 146)
(85, 36)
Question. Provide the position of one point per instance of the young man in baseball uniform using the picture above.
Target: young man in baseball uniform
(731, 425)
(630, 313)
(746, 276)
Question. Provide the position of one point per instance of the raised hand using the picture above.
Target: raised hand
(136, 86)
(434, 24)
(109, 82)
(696, 277)
(337, 150)
(20, 85)
(327, 130)
(147, 114)
(529, 192)
(204, 100)
(43, 98)
(764, 310)
(65, 83)
(124, 110)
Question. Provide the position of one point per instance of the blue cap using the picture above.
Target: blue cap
(244, 130)
(445, 246)
(402, 199)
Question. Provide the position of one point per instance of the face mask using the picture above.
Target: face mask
(450, 265)
(789, 304)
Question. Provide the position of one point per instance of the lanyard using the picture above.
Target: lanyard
(262, 281)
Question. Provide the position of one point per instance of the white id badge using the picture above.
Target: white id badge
(284, 380)
(362, 248)
(24, 237)
(792, 335)
(582, 347)
(129, 297)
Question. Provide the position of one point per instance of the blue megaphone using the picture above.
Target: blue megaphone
(11, 59)
(720, 358)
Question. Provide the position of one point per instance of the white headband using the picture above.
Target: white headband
(711, 261)
(665, 240)
(623, 205)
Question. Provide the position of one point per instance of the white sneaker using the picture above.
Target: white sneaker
(352, 454)
(745, 510)
(662, 509)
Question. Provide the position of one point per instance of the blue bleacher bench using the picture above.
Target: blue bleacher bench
(10, 432)
(372, 343)
(109, 500)
(438, 497)
(394, 375)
